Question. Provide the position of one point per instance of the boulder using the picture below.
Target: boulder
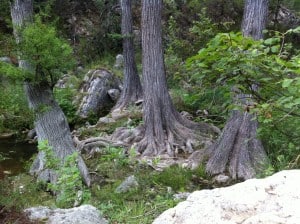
(84, 214)
(114, 94)
(127, 185)
(285, 17)
(119, 62)
(94, 97)
(273, 200)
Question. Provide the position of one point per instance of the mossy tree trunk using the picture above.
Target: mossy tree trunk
(238, 150)
(50, 121)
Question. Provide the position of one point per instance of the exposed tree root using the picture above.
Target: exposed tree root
(90, 143)
(128, 135)
(180, 139)
(175, 141)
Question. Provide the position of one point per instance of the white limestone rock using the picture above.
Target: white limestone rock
(273, 200)
(86, 214)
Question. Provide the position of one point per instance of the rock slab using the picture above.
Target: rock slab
(86, 214)
(94, 97)
(273, 200)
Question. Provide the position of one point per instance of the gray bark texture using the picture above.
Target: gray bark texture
(132, 89)
(166, 130)
(238, 149)
(94, 92)
(255, 18)
(50, 122)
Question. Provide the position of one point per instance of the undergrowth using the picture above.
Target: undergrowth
(153, 195)
(109, 169)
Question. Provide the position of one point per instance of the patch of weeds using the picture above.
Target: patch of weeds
(116, 155)
(11, 215)
(71, 191)
(69, 186)
(22, 191)
(200, 179)
(200, 171)
(175, 177)
(111, 171)
(139, 205)
(64, 97)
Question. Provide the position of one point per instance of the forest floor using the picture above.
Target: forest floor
(109, 167)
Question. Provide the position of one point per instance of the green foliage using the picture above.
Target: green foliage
(48, 54)
(149, 199)
(13, 73)
(104, 33)
(65, 97)
(175, 177)
(5, 10)
(233, 60)
(281, 140)
(203, 29)
(21, 192)
(69, 185)
(52, 162)
(116, 155)
(206, 104)
(14, 112)
(141, 205)
(184, 43)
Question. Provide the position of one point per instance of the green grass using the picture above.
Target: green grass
(110, 168)
(22, 191)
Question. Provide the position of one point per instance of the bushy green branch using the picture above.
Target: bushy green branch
(69, 186)
(230, 59)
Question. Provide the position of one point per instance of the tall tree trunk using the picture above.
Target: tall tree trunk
(132, 89)
(50, 122)
(165, 129)
(255, 18)
(238, 149)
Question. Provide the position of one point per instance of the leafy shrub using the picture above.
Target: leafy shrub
(64, 97)
(21, 192)
(15, 114)
(233, 60)
(116, 155)
(175, 177)
(48, 54)
(69, 186)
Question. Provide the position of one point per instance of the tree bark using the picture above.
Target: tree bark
(132, 89)
(166, 131)
(50, 122)
(51, 125)
(255, 18)
(238, 149)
